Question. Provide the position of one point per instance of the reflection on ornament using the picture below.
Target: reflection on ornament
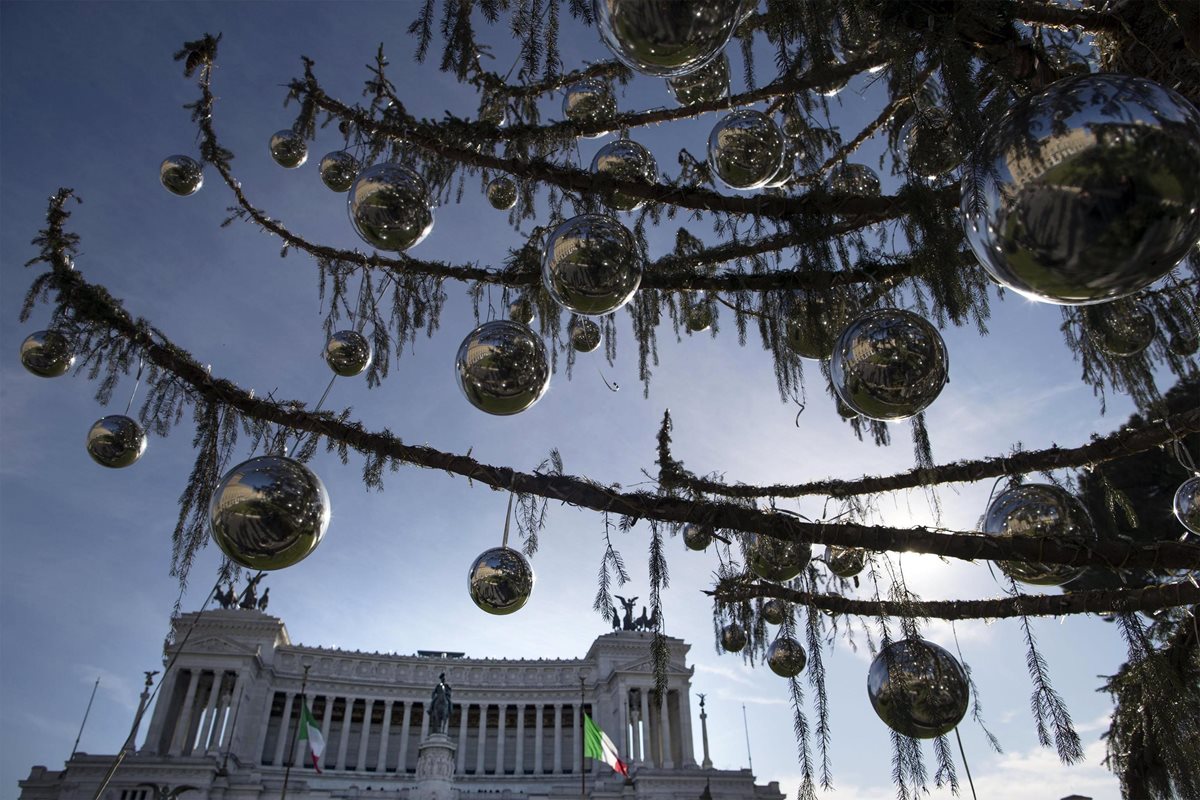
(699, 318)
(1187, 504)
(775, 559)
(697, 537)
(775, 611)
(589, 101)
(814, 321)
(1120, 328)
(47, 354)
(591, 265)
(666, 38)
(288, 149)
(493, 111)
(786, 657)
(389, 206)
(889, 364)
(918, 689)
(1090, 190)
(269, 513)
(1184, 343)
(521, 310)
(500, 580)
(348, 353)
(707, 84)
(845, 562)
(116, 441)
(625, 160)
(733, 638)
(181, 175)
(338, 170)
(585, 335)
(844, 411)
(1038, 509)
(502, 193)
(746, 149)
(931, 148)
(1066, 61)
(856, 179)
(502, 368)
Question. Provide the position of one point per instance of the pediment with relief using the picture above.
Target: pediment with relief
(645, 666)
(219, 644)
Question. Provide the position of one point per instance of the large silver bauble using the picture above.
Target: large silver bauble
(889, 364)
(181, 175)
(697, 537)
(389, 207)
(733, 638)
(1184, 343)
(338, 170)
(1187, 504)
(521, 310)
(1038, 509)
(116, 441)
(704, 85)
(585, 335)
(269, 513)
(1120, 328)
(666, 38)
(588, 101)
(856, 179)
(502, 368)
(1090, 190)
(845, 562)
(288, 149)
(814, 321)
(746, 149)
(591, 265)
(500, 580)
(930, 146)
(47, 354)
(698, 318)
(775, 611)
(625, 160)
(775, 559)
(348, 353)
(786, 657)
(502, 193)
(918, 689)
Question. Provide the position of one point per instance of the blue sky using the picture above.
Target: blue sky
(89, 98)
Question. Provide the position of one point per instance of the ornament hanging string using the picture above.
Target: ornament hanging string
(966, 766)
(507, 520)
(136, 383)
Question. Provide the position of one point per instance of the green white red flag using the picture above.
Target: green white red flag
(310, 731)
(598, 746)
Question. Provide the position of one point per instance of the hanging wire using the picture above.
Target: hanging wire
(137, 382)
(966, 766)
(612, 387)
(507, 520)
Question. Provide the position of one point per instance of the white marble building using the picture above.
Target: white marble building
(218, 724)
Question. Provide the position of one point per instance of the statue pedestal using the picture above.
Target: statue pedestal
(435, 769)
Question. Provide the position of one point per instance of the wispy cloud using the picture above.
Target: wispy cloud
(117, 688)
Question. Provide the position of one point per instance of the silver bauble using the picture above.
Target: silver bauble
(591, 265)
(588, 101)
(666, 38)
(856, 179)
(704, 85)
(502, 368)
(502, 193)
(845, 562)
(918, 689)
(1120, 328)
(786, 657)
(493, 111)
(774, 611)
(930, 146)
(269, 513)
(1038, 509)
(625, 160)
(775, 559)
(889, 364)
(733, 638)
(585, 335)
(697, 537)
(699, 318)
(288, 149)
(746, 149)
(116, 441)
(1090, 190)
(1184, 343)
(500, 580)
(181, 175)
(338, 170)
(348, 353)
(814, 321)
(521, 310)
(47, 354)
(1187, 504)
(844, 411)
(389, 206)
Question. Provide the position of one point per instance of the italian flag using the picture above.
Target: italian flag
(310, 731)
(598, 746)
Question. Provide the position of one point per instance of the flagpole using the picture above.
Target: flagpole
(96, 685)
(582, 737)
(292, 753)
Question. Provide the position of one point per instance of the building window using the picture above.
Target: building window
(135, 794)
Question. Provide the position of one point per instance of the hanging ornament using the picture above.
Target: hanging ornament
(666, 38)
(521, 310)
(813, 322)
(502, 193)
(930, 145)
(625, 160)
(856, 179)
(1187, 504)
(697, 537)
(500, 580)
(348, 353)
(775, 611)
(1090, 190)
(591, 265)
(1121, 327)
(845, 562)
(47, 354)
(699, 317)
(746, 149)
(1067, 61)
(775, 559)
(269, 513)
(181, 175)
(786, 657)
(502, 367)
(918, 689)
(1184, 343)
(856, 34)
(338, 170)
(889, 364)
(585, 334)
(589, 101)
(288, 149)
(707, 84)
(493, 110)
(1038, 509)
(733, 638)
(389, 206)
(116, 441)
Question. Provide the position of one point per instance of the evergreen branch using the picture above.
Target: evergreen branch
(1049, 710)
(1091, 20)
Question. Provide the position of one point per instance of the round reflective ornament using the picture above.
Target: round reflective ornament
(786, 657)
(666, 38)
(389, 206)
(774, 611)
(845, 562)
(918, 689)
(889, 364)
(697, 537)
(269, 513)
(588, 101)
(502, 367)
(625, 160)
(1121, 327)
(1090, 190)
(502, 193)
(746, 149)
(493, 111)
(1184, 344)
(814, 322)
(591, 265)
(857, 179)
(1067, 61)
(775, 559)
(348, 353)
(500, 580)
(1038, 509)
(733, 638)
(116, 441)
(930, 146)
(704, 85)
(844, 411)
(1187, 504)
(585, 335)
(699, 318)
(338, 170)
(47, 354)
(181, 175)
(288, 149)
(521, 310)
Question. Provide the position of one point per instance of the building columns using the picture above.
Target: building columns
(519, 769)
(627, 738)
(185, 715)
(538, 738)
(235, 705)
(210, 711)
(381, 763)
(344, 734)
(326, 721)
(482, 747)
(402, 762)
(687, 747)
(664, 716)
(284, 722)
(460, 766)
(646, 750)
(577, 738)
(364, 738)
(558, 739)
